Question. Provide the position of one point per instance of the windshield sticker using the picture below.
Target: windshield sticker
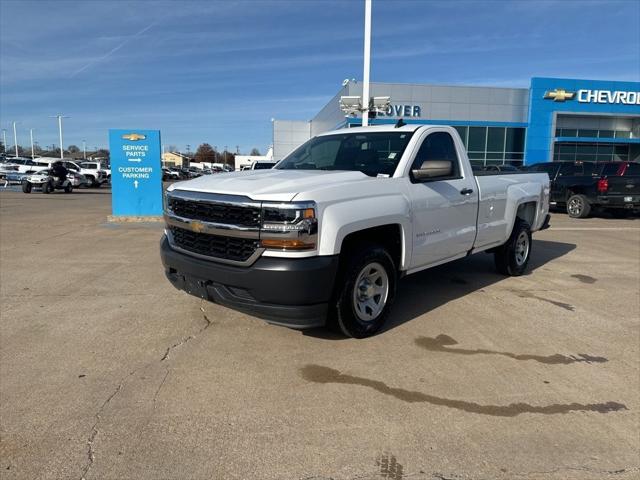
(392, 155)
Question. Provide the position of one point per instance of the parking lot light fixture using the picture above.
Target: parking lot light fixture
(367, 62)
(60, 117)
(32, 151)
(15, 138)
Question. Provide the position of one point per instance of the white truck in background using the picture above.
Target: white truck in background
(325, 236)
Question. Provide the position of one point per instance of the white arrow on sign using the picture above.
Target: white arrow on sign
(137, 160)
(135, 184)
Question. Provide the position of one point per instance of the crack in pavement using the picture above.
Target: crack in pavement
(98, 416)
(189, 338)
(579, 469)
(94, 429)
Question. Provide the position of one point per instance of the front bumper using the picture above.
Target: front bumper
(294, 292)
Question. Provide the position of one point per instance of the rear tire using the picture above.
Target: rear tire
(578, 206)
(365, 291)
(26, 187)
(68, 188)
(512, 257)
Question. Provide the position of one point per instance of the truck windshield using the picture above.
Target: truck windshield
(372, 153)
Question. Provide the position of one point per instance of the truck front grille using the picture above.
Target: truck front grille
(245, 216)
(227, 248)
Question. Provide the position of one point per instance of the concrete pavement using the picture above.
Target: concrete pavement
(107, 372)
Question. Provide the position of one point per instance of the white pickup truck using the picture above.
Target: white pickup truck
(325, 236)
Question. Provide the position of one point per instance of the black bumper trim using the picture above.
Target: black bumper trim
(294, 292)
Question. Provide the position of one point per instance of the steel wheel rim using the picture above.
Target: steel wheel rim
(370, 292)
(575, 206)
(522, 248)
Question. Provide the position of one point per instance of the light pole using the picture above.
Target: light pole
(225, 154)
(4, 141)
(84, 149)
(15, 138)
(31, 136)
(367, 63)
(60, 117)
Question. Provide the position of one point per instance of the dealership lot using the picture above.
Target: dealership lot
(106, 371)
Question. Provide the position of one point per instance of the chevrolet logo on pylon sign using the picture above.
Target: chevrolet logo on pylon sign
(134, 137)
(559, 95)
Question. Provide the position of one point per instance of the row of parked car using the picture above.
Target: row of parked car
(175, 173)
(86, 173)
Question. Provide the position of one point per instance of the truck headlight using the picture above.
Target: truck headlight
(289, 226)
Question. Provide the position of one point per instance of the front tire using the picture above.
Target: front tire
(365, 292)
(26, 187)
(68, 188)
(578, 206)
(47, 187)
(512, 257)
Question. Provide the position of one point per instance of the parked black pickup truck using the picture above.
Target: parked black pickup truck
(583, 186)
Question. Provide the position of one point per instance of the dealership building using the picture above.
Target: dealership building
(554, 119)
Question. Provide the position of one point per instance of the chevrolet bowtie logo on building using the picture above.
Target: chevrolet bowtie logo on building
(134, 137)
(559, 95)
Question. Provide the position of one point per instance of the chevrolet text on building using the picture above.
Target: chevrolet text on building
(607, 96)
(325, 235)
(552, 119)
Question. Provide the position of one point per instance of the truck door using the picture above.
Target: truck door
(444, 208)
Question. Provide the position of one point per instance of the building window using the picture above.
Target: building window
(590, 152)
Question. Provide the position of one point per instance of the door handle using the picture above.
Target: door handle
(466, 191)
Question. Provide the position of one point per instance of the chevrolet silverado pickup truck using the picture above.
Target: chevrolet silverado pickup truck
(324, 237)
(583, 187)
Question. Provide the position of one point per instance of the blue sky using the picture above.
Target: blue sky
(218, 72)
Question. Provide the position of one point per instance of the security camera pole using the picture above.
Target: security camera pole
(367, 63)
(60, 117)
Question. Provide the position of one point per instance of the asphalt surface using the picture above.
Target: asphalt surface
(108, 372)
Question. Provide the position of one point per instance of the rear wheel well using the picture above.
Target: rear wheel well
(574, 191)
(527, 212)
(388, 236)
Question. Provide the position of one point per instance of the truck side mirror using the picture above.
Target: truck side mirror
(432, 169)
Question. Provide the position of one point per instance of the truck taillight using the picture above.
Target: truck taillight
(603, 185)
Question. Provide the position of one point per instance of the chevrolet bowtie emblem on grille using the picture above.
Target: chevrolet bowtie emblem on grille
(559, 95)
(134, 136)
(197, 227)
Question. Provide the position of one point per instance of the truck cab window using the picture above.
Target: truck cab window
(438, 146)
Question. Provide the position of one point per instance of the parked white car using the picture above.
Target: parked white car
(92, 171)
(327, 233)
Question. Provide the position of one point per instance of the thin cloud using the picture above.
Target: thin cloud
(113, 50)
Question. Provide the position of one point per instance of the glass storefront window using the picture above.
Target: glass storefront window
(477, 139)
(605, 133)
(495, 139)
(587, 133)
(515, 140)
(622, 134)
(568, 132)
(462, 131)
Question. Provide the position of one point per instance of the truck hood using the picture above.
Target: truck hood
(271, 185)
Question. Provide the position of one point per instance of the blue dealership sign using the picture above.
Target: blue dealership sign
(136, 172)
